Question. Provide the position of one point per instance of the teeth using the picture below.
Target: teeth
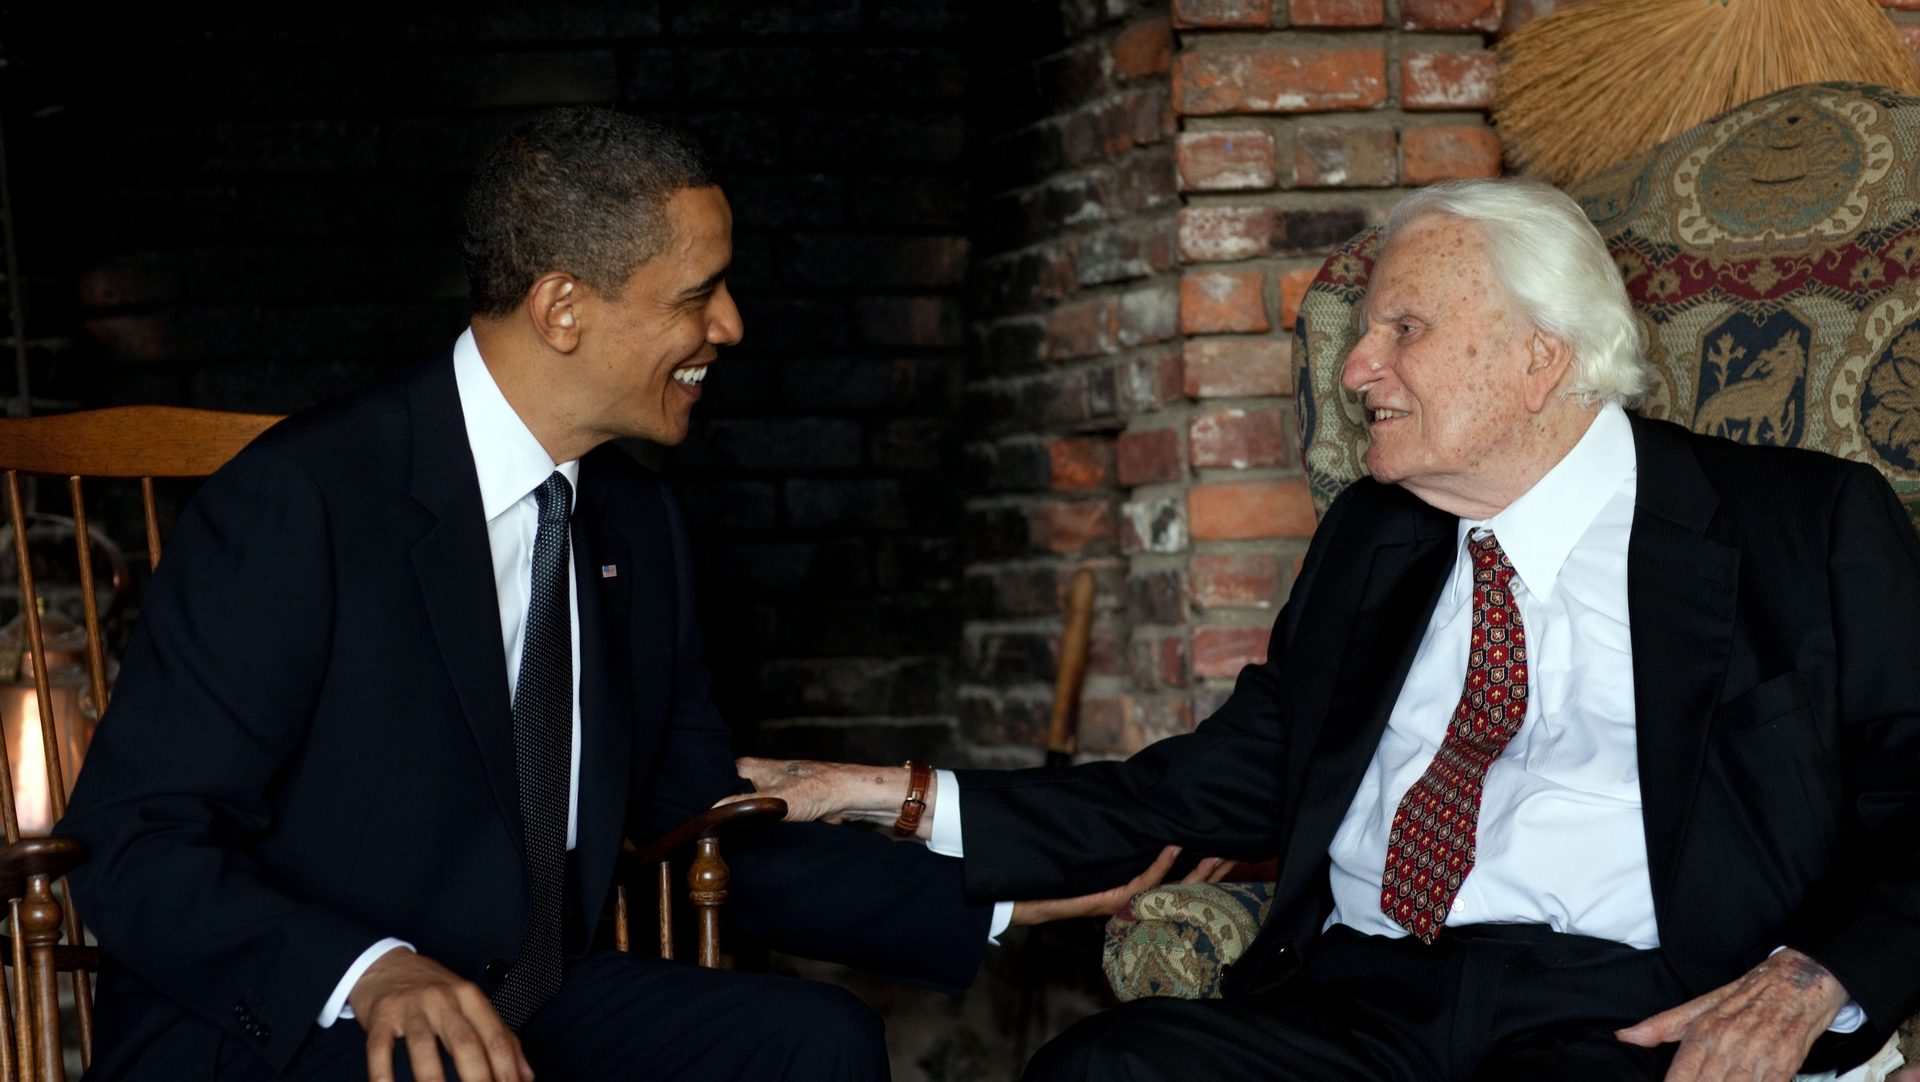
(1381, 415)
(691, 376)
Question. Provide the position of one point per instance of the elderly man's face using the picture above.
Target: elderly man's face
(1441, 366)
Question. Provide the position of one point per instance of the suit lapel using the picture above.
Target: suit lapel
(604, 571)
(1681, 591)
(454, 564)
(1404, 575)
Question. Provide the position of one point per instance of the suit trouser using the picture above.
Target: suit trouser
(620, 1017)
(1480, 1004)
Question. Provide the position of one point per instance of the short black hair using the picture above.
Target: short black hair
(578, 190)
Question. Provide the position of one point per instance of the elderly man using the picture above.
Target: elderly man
(1590, 746)
(397, 693)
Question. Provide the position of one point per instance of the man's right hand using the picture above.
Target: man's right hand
(406, 997)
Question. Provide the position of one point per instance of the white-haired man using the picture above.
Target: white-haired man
(1589, 745)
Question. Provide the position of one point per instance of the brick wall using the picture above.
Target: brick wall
(1075, 302)
(1302, 121)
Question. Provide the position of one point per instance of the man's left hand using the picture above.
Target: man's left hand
(1757, 1028)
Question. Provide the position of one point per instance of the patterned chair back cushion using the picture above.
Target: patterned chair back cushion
(1772, 255)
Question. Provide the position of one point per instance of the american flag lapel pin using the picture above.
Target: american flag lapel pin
(608, 571)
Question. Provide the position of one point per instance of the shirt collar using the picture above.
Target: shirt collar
(508, 460)
(1538, 530)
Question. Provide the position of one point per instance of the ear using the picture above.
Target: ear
(1549, 360)
(550, 306)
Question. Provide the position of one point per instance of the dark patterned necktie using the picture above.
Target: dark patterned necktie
(1430, 847)
(543, 750)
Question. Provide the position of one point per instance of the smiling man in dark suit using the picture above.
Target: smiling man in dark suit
(1590, 746)
(418, 659)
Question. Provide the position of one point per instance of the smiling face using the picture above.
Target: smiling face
(1448, 371)
(644, 350)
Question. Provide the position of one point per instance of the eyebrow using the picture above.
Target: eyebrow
(706, 284)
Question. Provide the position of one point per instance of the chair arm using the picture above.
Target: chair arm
(1177, 940)
(705, 825)
(28, 857)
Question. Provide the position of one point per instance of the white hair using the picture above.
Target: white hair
(1558, 272)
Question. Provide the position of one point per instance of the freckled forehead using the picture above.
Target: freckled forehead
(1435, 260)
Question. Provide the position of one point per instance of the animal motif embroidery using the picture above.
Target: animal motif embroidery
(1760, 407)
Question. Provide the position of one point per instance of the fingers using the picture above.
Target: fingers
(379, 1055)
(1155, 873)
(498, 1045)
(1669, 1025)
(424, 1052)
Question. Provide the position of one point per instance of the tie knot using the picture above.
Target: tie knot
(555, 497)
(1489, 559)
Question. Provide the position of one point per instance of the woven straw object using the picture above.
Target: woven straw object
(1603, 80)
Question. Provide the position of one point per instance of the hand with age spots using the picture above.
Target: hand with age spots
(833, 792)
(1758, 1027)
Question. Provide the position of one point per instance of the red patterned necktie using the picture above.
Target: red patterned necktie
(1430, 847)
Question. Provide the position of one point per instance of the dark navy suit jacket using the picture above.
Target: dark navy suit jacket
(1774, 597)
(311, 747)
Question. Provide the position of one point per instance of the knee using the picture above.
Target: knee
(1095, 1049)
(830, 1033)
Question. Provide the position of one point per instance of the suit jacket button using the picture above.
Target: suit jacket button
(495, 970)
(262, 1032)
(240, 1011)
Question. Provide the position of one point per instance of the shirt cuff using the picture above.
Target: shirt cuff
(1002, 917)
(1851, 1017)
(336, 1007)
(945, 836)
(944, 839)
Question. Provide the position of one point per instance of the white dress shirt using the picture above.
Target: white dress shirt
(1560, 840)
(510, 465)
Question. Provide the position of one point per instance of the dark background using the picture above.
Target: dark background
(256, 209)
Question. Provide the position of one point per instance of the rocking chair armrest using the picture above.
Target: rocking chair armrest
(28, 857)
(706, 824)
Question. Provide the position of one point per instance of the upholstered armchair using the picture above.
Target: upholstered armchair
(1773, 256)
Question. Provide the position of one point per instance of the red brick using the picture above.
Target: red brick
(1215, 302)
(1245, 510)
(1145, 384)
(1234, 580)
(1336, 12)
(1144, 49)
(1293, 289)
(1272, 81)
(1237, 438)
(1081, 329)
(1224, 161)
(1211, 234)
(1448, 152)
(1224, 651)
(1077, 464)
(1159, 661)
(1213, 13)
(1149, 456)
(1451, 14)
(1066, 526)
(1236, 367)
(1126, 724)
(1447, 79)
(1326, 156)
